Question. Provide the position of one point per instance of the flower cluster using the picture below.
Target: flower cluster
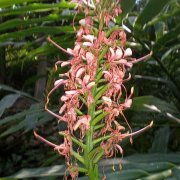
(94, 87)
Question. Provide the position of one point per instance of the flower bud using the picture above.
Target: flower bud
(128, 52)
(107, 100)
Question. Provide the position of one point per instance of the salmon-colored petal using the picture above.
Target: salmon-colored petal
(80, 72)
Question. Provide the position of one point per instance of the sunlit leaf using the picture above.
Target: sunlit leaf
(6, 3)
(57, 170)
(152, 104)
(35, 7)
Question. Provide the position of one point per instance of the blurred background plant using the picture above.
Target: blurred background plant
(26, 61)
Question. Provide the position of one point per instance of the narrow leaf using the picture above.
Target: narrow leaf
(152, 9)
(7, 102)
(36, 7)
(38, 30)
(127, 6)
(57, 170)
(161, 139)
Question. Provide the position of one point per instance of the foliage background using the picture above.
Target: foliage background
(26, 75)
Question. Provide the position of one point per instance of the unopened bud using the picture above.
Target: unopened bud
(128, 52)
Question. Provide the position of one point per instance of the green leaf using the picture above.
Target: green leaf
(78, 157)
(99, 118)
(127, 174)
(7, 102)
(36, 7)
(171, 35)
(155, 157)
(6, 178)
(46, 30)
(17, 116)
(127, 6)
(151, 167)
(57, 170)
(159, 175)
(164, 16)
(8, 88)
(6, 3)
(153, 104)
(100, 92)
(155, 165)
(34, 117)
(161, 139)
(167, 53)
(124, 175)
(31, 120)
(13, 129)
(14, 23)
(152, 9)
(176, 172)
(103, 138)
(48, 49)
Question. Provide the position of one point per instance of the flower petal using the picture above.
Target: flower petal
(107, 100)
(128, 52)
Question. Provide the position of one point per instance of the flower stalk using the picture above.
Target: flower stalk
(95, 95)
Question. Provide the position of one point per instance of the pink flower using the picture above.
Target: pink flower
(83, 123)
(94, 82)
(89, 37)
(128, 52)
(107, 100)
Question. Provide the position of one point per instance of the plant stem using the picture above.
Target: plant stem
(92, 167)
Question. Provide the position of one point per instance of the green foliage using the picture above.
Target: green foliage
(152, 166)
(151, 9)
(24, 28)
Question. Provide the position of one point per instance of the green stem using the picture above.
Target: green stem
(92, 167)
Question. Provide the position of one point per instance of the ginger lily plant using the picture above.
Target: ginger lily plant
(94, 90)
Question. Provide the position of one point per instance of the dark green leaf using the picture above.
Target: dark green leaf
(13, 129)
(127, 174)
(20, 115)
(153, 104)
(171, 35)
(8, 88)
(57, 170)
(160, 142)
(155, 157)
(159, 175)
(176, 172)
(152, 9)
(126, 6)
(38, 30)
(7, 102)
(164, 16)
